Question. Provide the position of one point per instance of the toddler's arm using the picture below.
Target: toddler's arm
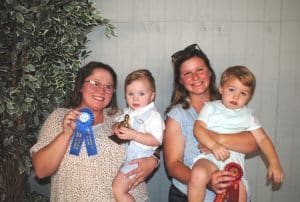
(201, 133)
(275, 171)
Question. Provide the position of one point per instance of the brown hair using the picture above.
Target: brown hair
(75, 97)
(179, 93)
(140, 74)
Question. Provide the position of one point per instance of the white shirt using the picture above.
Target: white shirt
(153, 124)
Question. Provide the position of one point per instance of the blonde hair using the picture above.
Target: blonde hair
(242, 73)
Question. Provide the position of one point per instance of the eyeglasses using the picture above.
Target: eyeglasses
(95, 85)
(188, 50)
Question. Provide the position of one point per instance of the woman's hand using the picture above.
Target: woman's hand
(221, 181)
(69, 122)
(145, 168)
(242, 142)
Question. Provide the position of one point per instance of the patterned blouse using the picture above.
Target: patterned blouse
(86, 178)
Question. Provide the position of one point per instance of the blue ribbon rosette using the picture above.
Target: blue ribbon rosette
(84, 132)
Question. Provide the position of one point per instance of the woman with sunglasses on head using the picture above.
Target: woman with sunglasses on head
(194, 84)
(74, 147)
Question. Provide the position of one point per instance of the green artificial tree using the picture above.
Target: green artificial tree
(42, 44)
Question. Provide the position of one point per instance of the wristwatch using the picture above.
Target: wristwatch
(157, 157)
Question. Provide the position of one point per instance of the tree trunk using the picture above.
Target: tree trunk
(15, 182)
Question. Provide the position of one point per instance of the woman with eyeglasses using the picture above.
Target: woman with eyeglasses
(74, 147)
(194, 84)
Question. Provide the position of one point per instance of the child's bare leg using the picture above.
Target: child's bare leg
(200, 177)
(242, 192)
(120, 188)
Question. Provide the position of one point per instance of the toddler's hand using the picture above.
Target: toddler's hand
(126, 133)
(115, 128)
(275, 173)
(203, 148)
(220, 152)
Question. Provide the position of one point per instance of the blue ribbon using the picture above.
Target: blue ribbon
(84, 132)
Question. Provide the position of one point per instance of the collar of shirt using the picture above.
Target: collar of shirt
(135, 113)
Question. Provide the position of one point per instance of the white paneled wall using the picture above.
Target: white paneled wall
(261, 34)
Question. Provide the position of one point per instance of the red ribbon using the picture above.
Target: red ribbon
(232, 193)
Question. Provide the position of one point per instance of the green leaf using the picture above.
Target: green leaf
(2, 108)
(37, 85)
(22, 9)
(29, 68)
(29, 77)
(21, 168)
(9, 1)
(39, 49)
(10, 105)
(44, 2)
(29, 100)
(20, 18)
(19, 45)
(8, 141)
(45, 100)
(36, 120)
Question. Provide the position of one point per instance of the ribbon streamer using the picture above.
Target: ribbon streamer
(84, 132)
(232, 193)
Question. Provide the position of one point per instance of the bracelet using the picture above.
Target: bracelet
(157, 158)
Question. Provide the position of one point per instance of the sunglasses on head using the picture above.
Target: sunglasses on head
(188, 50)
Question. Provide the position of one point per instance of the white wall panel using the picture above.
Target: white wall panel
(222, 10)
(261, 34)
(290, 10)
(173, 11)
(272, 10)
(255, 10)
(156, 10)
(238, 43)
(205, 10)
(239, 10)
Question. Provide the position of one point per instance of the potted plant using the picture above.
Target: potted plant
(42, 44)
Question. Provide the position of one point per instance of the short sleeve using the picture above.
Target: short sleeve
(50, 129)
(156, 126)
(253, 123)
(206, 112)
(175, 114)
